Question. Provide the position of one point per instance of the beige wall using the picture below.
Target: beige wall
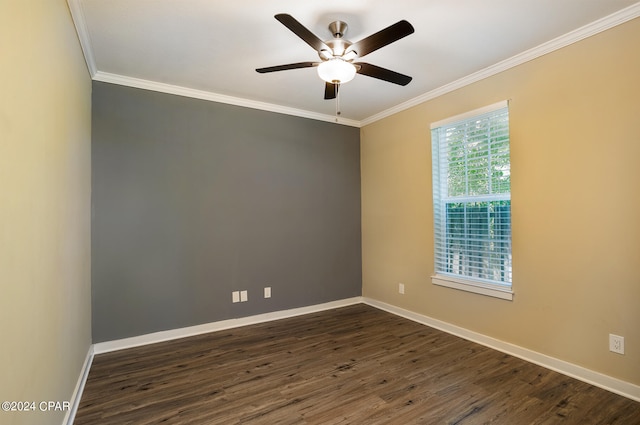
(575, 152)
(45, 183)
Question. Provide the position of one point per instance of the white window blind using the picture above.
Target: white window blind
(472, 199)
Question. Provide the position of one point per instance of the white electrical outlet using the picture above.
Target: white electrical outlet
(267, 292)
(616, 343)
(401, 288)
(244, 296)
(235, 296)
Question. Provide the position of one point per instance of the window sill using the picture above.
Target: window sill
(476, 287)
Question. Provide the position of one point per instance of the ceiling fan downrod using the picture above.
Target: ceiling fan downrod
(337, 101)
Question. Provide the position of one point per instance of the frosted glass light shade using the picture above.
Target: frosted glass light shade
(336, 71)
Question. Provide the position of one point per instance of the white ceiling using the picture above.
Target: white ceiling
(211, 48)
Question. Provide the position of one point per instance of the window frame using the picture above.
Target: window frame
(461, 282)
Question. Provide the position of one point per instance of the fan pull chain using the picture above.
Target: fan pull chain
(337, 101)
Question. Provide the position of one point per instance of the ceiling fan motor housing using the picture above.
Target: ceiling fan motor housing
(338, 44)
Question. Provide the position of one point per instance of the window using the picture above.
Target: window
(472, 201)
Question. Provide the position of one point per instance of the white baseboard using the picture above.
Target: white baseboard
(617, 386)
(77, 392)
(152, 338)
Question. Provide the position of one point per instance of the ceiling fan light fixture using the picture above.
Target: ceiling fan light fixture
(336, 71)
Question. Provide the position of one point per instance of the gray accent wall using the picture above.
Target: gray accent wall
(192, 200)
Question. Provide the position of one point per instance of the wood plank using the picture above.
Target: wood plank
(353, 365)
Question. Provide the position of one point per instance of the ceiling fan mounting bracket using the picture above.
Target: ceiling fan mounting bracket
(338, 29)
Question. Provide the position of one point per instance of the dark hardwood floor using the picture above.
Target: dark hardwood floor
(353, 365)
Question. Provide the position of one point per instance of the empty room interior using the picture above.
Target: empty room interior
(447, 232)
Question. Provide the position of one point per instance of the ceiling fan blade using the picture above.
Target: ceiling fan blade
(382, 73)
(301, 31)
(288, 66)
(383, 37)
(330, 90)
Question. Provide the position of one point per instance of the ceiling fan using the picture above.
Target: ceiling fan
(337, 55)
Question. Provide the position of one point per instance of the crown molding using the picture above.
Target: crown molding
(574, 36)
(77, 15)
(215, 97)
